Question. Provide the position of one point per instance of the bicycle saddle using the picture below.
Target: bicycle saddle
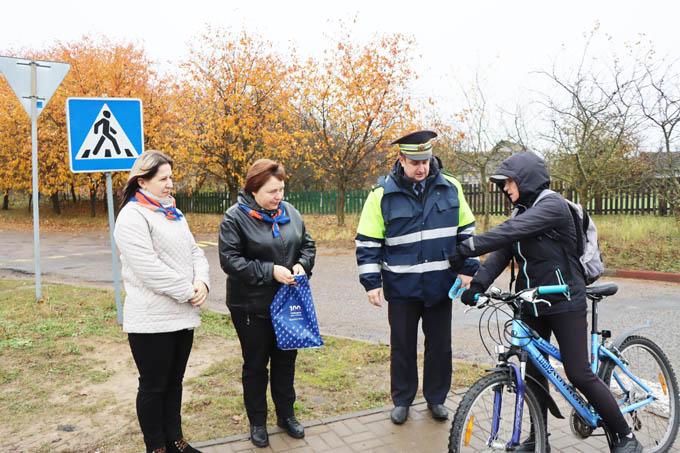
(605, 289)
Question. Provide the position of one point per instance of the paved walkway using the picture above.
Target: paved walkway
(372, 431)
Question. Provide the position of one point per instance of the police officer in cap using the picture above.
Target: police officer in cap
(410, 224)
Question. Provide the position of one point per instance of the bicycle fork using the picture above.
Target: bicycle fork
(518, 376)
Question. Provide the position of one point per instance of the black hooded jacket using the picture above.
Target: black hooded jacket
(541, 238)
(248, 252)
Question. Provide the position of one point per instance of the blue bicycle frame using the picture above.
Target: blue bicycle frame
(525, 339)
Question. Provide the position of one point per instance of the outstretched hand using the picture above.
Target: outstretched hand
(468, 297)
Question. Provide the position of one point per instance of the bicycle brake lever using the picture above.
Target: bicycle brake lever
(530, 296)
(538, 301)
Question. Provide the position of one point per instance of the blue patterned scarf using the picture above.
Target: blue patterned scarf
(279, 218)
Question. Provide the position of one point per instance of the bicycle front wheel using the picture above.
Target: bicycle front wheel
(471, 430)
(655, 424)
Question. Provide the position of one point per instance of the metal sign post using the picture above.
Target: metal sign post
(114, 253)
(34, 176)
(34, 94)
(105, 135)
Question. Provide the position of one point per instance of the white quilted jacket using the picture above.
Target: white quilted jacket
(160, 261)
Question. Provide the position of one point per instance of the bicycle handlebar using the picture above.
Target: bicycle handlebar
(525, 295)
(552, 289)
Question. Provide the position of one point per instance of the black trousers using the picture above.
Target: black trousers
(258, 346)
(161, 359)
(403, 320)
(571, 333)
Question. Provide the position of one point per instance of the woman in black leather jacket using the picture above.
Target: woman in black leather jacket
(263, 244)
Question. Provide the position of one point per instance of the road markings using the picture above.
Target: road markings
(54, 257)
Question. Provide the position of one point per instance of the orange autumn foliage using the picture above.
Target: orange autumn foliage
(354, 103)
(235, 100)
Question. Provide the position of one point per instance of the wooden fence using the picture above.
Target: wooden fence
(644, 201)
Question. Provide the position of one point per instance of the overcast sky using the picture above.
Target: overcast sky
(503, 41)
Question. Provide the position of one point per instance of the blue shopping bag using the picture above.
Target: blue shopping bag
(293, 316)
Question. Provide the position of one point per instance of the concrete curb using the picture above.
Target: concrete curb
(643, 275)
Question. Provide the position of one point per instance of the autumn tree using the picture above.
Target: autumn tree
(236, 103)
(353, 103)
(15, 145)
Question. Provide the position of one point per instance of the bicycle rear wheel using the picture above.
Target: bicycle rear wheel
(656, 424)
(472, 424)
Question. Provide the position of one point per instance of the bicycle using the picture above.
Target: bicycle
(635, 368)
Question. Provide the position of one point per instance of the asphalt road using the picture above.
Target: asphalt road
(342, 308)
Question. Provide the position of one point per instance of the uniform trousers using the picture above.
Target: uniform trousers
(436, 325)
(258, 347)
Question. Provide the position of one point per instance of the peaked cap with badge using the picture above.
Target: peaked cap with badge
(416, 145)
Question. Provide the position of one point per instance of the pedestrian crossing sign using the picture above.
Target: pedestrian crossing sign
(104, 134)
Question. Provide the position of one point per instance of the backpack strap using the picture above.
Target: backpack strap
(578, 228)
(543, 194)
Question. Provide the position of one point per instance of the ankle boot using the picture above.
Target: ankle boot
(180, 446)
(291, 426)
(259, 436)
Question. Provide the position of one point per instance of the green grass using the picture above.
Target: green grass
(639, 242)
(66, 361)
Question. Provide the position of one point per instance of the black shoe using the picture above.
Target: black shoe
(399, 414)
(439, 411)
(627, 445)
(259, 436)
(180, 446)
(529, 444)
(293, 427)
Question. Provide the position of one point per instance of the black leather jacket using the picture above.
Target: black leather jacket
(248, 252)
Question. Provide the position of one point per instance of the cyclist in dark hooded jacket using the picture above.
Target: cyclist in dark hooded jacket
(542, 238)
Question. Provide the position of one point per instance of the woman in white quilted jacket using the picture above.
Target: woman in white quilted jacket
(166, 281)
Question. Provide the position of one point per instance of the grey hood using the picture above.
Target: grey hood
(528, 171)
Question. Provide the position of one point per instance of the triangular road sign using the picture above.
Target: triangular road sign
(106, 139)
(49, 75)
